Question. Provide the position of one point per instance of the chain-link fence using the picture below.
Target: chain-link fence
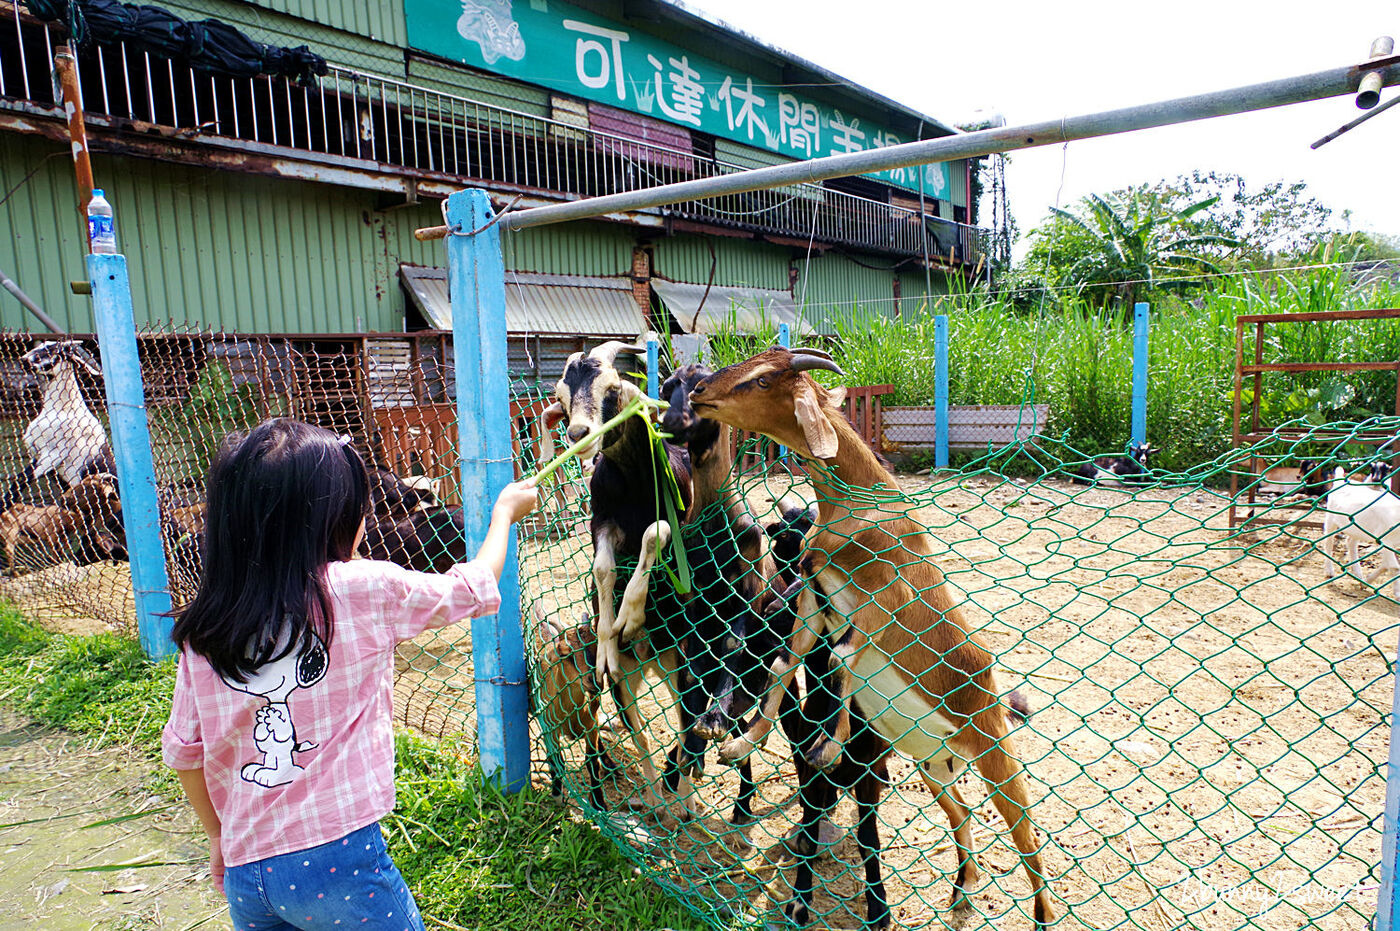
(64, 546)
(1208, 710)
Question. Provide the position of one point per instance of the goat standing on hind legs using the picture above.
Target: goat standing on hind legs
(628, 521)
(903, 655)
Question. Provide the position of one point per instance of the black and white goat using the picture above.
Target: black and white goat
(729, 645)
(1129, 469)
(408, 526)
(628, 522)
(65, 437)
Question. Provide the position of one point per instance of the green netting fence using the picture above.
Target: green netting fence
(1209, 711)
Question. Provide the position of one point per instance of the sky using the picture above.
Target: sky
(1034, 61)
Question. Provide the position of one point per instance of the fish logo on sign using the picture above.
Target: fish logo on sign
(490, 24)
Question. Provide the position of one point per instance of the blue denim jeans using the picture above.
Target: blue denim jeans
(347, 883)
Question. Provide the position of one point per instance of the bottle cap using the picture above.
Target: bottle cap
(97, 192)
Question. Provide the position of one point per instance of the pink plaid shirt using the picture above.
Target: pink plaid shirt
(304, 752)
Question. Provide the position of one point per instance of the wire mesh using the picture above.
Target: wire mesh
(392, 396)
(1208, 708)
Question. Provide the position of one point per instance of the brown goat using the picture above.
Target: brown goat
(901, 648)
(46, 524)
(89, 501)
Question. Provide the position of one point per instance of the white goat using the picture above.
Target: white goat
(1363, 513)
(65, 437)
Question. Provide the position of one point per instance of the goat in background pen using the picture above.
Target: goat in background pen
(903, 655)
(65, 437)
(1362, 512)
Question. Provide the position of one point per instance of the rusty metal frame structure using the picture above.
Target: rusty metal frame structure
(1257, 368)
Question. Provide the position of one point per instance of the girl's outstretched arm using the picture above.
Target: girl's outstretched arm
(515, 501)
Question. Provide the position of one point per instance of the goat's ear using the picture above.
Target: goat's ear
(836, 397)
(821, 436)
(552, 415)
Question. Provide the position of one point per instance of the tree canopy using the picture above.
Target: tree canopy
(1113, 247)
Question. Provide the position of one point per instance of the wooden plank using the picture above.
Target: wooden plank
(970, 427)
(1319, 367)
(1328, 315)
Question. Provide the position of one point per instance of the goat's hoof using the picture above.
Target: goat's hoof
(824, 754)
(796, 912)
(733, 751)
(710, 728)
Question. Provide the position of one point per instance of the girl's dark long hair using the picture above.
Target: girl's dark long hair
(281, 503)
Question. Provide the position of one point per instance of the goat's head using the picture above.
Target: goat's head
(771, 393)
(50, 356)
(1380, 471)
(394, 499)
(95, 494)
(1142, 452)
(566, 659)
(679, 418)
(590, 392)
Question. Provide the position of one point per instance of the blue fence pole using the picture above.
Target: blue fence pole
(1388, 906)
(131, 446)
(653, 369)
(477, 276)
(940, 391)
(1140, 323)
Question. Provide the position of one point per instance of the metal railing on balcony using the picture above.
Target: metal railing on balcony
(401, 127)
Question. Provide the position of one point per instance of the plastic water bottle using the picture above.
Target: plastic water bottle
(102, 235)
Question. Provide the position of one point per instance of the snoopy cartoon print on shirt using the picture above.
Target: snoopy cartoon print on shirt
(274, 735)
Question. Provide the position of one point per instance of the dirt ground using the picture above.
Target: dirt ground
(1206, 750)
(53, 790)
(1207, 744)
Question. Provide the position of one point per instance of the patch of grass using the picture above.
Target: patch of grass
(99, 686)
(479, 858)
(1076, 356)
(474, 856)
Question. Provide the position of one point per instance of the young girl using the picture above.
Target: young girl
(280, 727)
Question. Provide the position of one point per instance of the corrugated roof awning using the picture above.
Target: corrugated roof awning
(544, 304)
(750, 307)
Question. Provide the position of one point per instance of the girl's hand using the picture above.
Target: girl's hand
(216, 863)
(516, 500)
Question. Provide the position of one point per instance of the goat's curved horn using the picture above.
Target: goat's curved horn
(607, 352)
(812, 351)
(805, 362)
(83, 358)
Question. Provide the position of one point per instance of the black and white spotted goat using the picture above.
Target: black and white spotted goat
(628, 523)
(1129, 469)
(65, 438)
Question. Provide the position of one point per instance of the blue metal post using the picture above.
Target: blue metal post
(940, 391)
(1140, 318)
(477, 277)
(784, 340)
(653, 369)
(1388, 906)
(131, 445)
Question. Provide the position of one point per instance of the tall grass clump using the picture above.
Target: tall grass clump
(1076, 356)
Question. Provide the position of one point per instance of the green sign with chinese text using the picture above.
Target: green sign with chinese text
(564, 48)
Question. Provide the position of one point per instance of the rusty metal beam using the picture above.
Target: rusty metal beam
(67, 68)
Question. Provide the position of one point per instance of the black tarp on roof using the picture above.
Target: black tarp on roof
(206, 45)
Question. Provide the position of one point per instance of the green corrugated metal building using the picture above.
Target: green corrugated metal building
(260, 206)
